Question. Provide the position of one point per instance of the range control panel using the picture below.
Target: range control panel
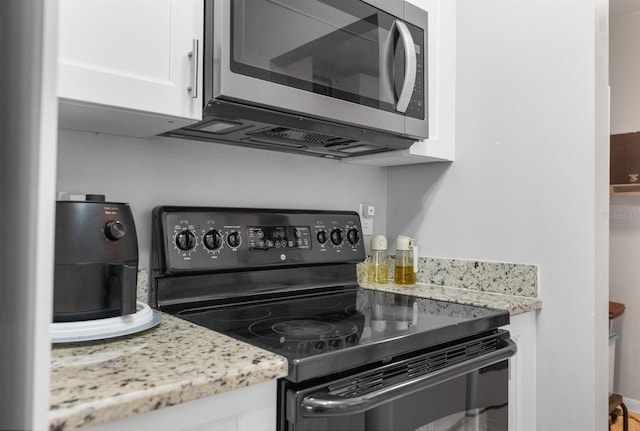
(206, 239)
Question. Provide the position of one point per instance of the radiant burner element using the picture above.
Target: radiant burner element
(294, 329)
(303, 328)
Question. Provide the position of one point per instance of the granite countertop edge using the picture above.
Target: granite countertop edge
(514, 304)
(171, 364)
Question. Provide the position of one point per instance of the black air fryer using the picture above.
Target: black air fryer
(96, 260)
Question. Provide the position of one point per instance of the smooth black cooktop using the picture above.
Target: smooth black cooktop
(328, 332)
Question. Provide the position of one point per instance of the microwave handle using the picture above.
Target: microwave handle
(410, 64)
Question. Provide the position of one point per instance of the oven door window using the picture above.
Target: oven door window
(476, 401)
(345, 50)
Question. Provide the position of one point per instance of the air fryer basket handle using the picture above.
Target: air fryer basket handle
(128, 275)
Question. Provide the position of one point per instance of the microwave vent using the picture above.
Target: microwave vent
(227, 122)
(304, 136)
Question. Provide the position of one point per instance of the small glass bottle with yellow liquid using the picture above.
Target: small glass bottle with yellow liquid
(406, 263)
(378, 268)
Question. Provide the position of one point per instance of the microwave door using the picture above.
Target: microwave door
(308, 57)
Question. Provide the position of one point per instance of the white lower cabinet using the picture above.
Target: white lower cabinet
(522, 373)
(124, 66)
(251, 408)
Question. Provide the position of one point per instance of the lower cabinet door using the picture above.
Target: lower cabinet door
(251, 408)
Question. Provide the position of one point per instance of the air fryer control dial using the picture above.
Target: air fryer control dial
(114, 230)
(212, 240)
(185, 240)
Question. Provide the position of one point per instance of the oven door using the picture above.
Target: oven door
(469, 395)
(344, 61)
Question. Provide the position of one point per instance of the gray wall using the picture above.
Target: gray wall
(167, 171)
(529, 184)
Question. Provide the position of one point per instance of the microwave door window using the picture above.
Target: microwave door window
(335, 48)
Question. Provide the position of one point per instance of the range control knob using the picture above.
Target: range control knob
(353, 236)
(212, 240)
(114, 230)
(322, 237)
(336, 237)
(185, 240)
(233, 239)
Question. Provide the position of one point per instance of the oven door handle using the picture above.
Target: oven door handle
(322, 403)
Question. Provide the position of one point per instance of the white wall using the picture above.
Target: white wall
(531, 148)
(625, 210)
(167, 171)
(625, 288)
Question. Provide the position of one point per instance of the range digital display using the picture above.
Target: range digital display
(279, 237)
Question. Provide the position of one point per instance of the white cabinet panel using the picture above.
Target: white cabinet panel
(252, 408)
(124, 65)
(522, 383)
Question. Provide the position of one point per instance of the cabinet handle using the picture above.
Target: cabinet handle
(193, 54)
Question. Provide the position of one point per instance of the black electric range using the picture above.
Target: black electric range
(321, 334)
(285, 281)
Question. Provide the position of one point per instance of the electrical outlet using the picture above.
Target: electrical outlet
(367, 226)
(366, 220)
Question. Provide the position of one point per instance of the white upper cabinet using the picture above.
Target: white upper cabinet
(441, 92)
(126, 67)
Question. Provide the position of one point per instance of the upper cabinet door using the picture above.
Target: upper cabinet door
(130, 67)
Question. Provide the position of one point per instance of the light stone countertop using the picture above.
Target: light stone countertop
(512, 303)
(102, 381)
(175, 362)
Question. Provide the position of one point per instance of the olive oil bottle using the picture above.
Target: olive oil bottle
(406, 263)
(378, 268)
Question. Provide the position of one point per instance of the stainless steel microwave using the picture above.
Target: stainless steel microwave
(330, 78)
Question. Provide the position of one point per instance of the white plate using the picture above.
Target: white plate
(98, 329)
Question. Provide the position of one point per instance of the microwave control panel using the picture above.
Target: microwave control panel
(417, 108)
(193, 240)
